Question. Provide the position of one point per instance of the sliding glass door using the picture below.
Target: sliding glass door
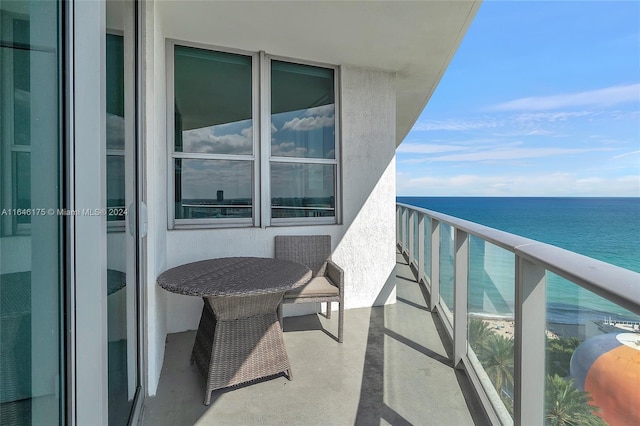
(121, 197)
(31, 192)
(69, 240)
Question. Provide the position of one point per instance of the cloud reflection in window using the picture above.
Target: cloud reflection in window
(233, 138)
(307, 133)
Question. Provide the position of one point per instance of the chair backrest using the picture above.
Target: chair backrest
(310, 250)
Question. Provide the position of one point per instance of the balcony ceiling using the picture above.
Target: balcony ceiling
(415, 39)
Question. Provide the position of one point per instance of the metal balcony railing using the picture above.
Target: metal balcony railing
(456, 260)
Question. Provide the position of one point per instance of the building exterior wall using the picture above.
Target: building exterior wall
(363, 244)
(155, 177)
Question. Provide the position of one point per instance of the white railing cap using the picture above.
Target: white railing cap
(614, 283)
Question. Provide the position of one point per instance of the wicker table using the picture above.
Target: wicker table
(239, 338)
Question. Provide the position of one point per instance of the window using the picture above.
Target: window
(253, 139)
(15, 125)
(303, 141)
(115, 132)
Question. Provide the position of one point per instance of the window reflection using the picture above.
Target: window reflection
(21, 84)
(308, 133)
(213, 102)
(231, 138)
(22, 186)
(115, 130)
(115, 188)
(302, 111)
(30, 145)
(213, 189)
(302, 190)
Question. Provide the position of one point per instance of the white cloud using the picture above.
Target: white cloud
(324, 110)
(554, 184)
(552, 117)
(498, 152)
(607, 96)
(513, 154)
(526, 123)
(204, 140)
(626, 154)
(308, 123)
(458, 125)
(288, 149)
(314, 118)
(418, 148)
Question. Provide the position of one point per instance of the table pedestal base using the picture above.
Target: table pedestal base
(232, 348)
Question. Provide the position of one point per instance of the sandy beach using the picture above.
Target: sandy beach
(505, 328)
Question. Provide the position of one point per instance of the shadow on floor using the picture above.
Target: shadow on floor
(394, 367)
(372, 407)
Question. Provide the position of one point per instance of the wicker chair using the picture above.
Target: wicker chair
(327, 282)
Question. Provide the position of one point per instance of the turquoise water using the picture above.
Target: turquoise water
(606, 229)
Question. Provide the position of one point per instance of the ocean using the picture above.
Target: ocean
(607, 229)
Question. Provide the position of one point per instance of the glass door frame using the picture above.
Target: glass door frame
(85, 185)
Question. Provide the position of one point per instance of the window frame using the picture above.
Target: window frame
(9, 225)
(261, 154)
(173, 155)
(269, 159)
(114, 225)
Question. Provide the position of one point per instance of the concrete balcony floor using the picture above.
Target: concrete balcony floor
(394, 367)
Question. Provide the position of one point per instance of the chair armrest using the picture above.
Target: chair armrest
(336, 275)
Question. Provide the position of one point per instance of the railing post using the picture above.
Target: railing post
(412, 243)
(529, 349)
(420, 259)
(398, 228)
(406, 228)
(461, 280)
(435, 264)
(403, 218)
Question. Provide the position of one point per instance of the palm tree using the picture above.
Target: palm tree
(559, 353)
(566, 405)
(478, 332)
(496, 356)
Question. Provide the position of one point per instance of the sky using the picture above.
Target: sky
(541, 99)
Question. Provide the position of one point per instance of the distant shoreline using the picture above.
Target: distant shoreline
(505, 326)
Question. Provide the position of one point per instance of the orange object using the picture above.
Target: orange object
(614, 382)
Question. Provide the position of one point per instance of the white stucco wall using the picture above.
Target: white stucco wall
(155, 155)
(364, 244)
(367, 246)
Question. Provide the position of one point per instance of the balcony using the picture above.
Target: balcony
(394, 367)
(423, 360)
(546, 336)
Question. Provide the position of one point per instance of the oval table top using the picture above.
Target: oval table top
(234, 276)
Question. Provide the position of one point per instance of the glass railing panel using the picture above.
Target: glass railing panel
(592, 357)
(427, 249)
(490, 307)
(447, 268)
